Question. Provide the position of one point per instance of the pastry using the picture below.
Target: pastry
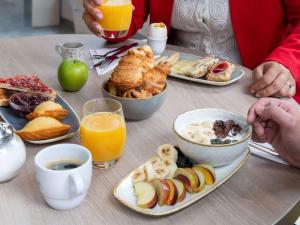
(27, 83)
(137, 94)
(194, 68)
(129, 72)
(48, 108)
(155, 79)
(42, 128)
(138, 76)
(221, 72)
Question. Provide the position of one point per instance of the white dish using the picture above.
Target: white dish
(237, 74)
(214, 154)
(125, 194)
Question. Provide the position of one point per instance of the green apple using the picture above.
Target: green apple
(72, 74)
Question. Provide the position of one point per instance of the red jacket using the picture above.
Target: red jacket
(264, 29)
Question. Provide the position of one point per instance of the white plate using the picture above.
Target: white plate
(125, 194)
(237, 74)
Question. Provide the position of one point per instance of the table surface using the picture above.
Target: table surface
(259, 193)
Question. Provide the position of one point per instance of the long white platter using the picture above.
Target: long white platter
(237, 74)
(125, 194)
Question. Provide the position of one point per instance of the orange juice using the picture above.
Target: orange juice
(104, 134)
(116, 17)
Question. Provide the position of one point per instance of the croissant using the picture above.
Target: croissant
(137, 94)
(155, 79)
(48, 108)
(129, 73)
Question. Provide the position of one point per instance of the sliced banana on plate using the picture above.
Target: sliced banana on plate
(171, 166)
(155, 162)
(167, 151)
(149, 171)
(138, 176)
(161, 172)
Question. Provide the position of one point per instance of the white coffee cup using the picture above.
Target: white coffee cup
(70, 50)
(63, 189)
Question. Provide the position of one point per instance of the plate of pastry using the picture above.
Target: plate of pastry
(207, 70)
(35, 111)
(169, 182)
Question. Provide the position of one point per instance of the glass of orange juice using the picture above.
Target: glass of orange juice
(116, 19)
(103, 131)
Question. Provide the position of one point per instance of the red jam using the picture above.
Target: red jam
(24, 103)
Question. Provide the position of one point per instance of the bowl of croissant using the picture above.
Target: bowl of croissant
(138, 83)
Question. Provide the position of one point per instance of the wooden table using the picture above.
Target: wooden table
(259, 193)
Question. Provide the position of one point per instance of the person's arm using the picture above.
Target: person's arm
(281, 70)
(139, 16)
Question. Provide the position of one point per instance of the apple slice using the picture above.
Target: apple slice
(208, 171)
(195, 188)
(180, 189)
(173, 194)
(201, 178)
(162, 190)
(188, 178)
(145, 194)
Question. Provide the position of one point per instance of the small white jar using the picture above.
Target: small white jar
(12, 153)
(157, 37)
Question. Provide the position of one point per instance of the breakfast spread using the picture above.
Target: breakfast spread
(212, 132)
(209, 67)
(31, 98)
(164, 179)
(137, 76)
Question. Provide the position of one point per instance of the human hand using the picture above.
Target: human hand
(91, 15)
(278, 123)
(273, 79)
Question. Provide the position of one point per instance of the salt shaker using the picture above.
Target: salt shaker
(12, 153)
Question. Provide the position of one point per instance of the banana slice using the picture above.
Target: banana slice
(161, 172)
(171, 166)
(149, 171)
(167, 151)
(138, 176)
(155, 162)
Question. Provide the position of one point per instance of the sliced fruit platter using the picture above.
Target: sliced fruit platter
(169, 182)
(35, 110)
(207, 70)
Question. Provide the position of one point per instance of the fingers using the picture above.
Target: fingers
(90, 7)
(257, 74)
(278, 115)
(257, 107)
(278, 83)
(268, 78)
(92, 24)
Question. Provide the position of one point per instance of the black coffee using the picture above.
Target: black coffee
(64, 165)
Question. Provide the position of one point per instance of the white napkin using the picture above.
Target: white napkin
(265, 155)
(102, 51)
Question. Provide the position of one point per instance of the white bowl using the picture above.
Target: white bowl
(158, 46)
(216, 155)
(157, 31)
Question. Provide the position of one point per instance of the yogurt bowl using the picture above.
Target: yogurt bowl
(220, 154)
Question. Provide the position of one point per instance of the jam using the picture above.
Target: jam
(24, 103)
(221, 67)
